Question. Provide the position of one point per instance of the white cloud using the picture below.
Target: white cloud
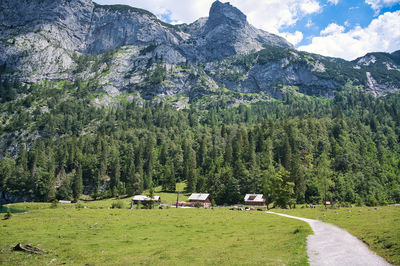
(335, 2)
(269, 15)
(378, 4)
(332, 28)
(310, 6)
(275, 15)
(293, 38)
(178, 10)
(382, 34)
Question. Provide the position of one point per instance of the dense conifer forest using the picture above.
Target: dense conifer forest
(299, 149)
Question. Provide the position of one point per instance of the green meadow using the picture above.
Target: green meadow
(96, 235)
(378, 227)
(91, 233)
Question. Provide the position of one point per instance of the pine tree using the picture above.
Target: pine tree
(115, 174)
(77, 185)
(189, 167)
(138, 184)
(286, 153)
(228, 156)
(323, 175)
(169, 179)
(297, 177)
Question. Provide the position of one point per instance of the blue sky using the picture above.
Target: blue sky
(339, 28)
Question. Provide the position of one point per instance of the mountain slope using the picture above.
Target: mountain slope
(126, 50)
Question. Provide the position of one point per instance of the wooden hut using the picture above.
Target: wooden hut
(141, 198)
(254, 199)
(203, 198)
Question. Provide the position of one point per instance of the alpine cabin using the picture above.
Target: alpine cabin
(254, 199)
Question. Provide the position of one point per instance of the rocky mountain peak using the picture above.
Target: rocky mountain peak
(119, 47)
(226, 14)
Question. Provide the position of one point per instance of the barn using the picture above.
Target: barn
(254, 199)
(203, 198)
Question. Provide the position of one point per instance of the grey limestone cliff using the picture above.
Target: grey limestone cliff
(126, 49)
(225, 33)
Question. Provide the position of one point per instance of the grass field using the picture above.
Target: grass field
(95, 236)
(378, 227)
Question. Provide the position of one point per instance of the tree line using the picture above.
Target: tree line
(299, 150)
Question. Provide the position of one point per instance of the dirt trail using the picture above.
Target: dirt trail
(330, 245)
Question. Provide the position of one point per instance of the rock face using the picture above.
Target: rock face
(228, 33)
(225, 33)
(126, 49)
(49, 31)
(115, 26)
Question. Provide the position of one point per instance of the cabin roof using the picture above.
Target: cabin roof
(199, 196)
(254, 197)
(145, 198)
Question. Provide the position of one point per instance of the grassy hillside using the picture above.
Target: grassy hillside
(377, 227)
(94, 236)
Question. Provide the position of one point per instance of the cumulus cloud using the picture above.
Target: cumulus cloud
(309, 7)
(270, 15)
(335, 2)
(275, 15)
(381, 34)
(293, 38)
(332, 28)
(378, 4)
(177, 10)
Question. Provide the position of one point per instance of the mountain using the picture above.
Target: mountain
(128, 50)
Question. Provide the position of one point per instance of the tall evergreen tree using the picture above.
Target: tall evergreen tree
(77, 185)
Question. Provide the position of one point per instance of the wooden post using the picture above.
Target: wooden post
(131, 204)
(177, 199)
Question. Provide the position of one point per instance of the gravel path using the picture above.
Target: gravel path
(330, 245)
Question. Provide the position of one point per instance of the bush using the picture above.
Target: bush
(117, 205)
(54, 204)
(344, 204)
(359, 201)
(8, 215)
(371, 201)
(79, 206)
(148, 205)
(197, 205)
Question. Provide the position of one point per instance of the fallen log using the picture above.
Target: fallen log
(29, 248)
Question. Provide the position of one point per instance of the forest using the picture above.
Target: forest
(300, 149)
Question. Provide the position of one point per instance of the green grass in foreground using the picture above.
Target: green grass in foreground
(93, 236)
(379, 229)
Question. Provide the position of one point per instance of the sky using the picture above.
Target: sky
(339, 28)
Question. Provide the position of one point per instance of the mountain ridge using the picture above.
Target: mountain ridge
(71, 39)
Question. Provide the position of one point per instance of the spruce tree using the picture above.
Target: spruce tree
(77, 185)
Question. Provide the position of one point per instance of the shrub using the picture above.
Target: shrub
(54, 204)
(117, 205)
(359, 201)
(8, 215)
(148, 205)
(371, 201)
(197, 205)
